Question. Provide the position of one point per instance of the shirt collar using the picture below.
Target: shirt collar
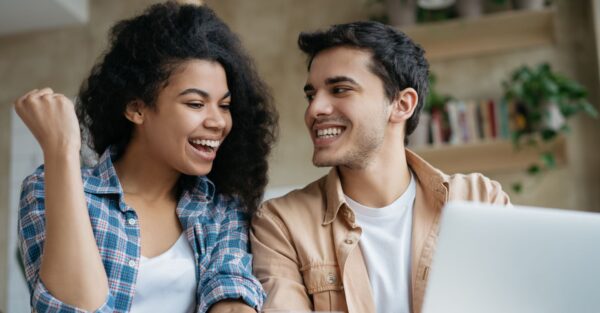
(430, 177)
(103, 178)
(201, 190)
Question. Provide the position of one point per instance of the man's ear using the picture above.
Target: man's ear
(404, 105)
(134, 111)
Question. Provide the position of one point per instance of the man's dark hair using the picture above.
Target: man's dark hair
(396, 59)
(144, 51)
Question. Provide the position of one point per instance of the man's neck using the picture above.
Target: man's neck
(381, 182)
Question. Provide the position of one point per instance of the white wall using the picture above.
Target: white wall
(26, 156)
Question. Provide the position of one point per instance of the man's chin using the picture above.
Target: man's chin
(322, 162)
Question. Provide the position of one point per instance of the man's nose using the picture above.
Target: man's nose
(320, 106)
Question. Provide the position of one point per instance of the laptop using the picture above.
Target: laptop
(493, 259)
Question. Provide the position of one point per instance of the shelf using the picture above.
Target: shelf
(488, 157)
(488, 34)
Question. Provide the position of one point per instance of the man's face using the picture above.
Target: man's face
(347, 109)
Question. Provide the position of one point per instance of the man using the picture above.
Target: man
(361, 238)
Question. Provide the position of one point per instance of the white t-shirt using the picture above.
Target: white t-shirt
(167, 282)
(385, 243)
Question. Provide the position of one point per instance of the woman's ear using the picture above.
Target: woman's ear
(404, 105)
(134, 111)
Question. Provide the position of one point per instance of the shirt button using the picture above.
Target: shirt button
(349, 241)
(331, 278)
(132, 263)
(131, 221)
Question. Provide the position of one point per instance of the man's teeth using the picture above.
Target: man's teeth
(206, 142)
(328, 132)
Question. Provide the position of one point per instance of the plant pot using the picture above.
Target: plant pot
(401, 12)
(469, 8)
(552, 118)
(529, 4)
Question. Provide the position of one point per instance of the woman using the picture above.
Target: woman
(183, 125)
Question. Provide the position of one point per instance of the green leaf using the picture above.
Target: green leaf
(517, 187)
(565, 129)
(548, 134)
(515, 138)
(548, 159)
(533, 170)
(550, 88)
(589, 109)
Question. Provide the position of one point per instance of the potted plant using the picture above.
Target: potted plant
(544, 101)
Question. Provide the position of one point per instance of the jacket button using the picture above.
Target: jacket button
(349, 241)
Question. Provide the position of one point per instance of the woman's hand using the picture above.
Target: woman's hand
(51, 119)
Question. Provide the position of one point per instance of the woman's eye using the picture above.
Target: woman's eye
(225, 106)
(194, 105)
(309, 97)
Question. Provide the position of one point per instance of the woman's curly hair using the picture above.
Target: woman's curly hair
(142, 54)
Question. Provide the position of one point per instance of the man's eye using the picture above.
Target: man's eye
(309, 97)
(337, 90)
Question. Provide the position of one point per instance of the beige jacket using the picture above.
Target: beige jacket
(305, 244)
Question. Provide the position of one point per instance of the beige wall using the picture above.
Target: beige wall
(4, 213)
(269, 28)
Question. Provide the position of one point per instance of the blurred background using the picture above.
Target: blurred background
(515, 89)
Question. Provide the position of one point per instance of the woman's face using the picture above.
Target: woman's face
(191, 118)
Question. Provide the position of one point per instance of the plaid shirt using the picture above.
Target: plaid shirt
(215, 225)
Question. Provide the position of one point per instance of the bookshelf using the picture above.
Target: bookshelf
(499, 32)
(494, 156)
(502, 32)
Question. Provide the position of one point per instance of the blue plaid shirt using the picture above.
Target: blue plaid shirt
(215, 225)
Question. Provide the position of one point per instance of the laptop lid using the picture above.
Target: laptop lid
(494, 259)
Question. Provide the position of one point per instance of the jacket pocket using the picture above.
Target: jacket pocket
(324, 285)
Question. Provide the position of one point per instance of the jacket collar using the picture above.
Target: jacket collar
(432, 179)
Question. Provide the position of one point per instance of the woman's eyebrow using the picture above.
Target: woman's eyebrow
(197, 91)
(202, 93)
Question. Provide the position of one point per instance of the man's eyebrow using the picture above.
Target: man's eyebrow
(340, 79)
(202, 93)
(331, 81)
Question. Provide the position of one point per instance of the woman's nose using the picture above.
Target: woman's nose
(216, 117)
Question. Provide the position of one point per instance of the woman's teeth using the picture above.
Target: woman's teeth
(205, 142)
(328, 132)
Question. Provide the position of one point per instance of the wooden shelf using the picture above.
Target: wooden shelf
(488, 34)
(488, 157)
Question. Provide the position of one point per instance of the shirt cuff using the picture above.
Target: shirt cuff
(43, 301)
(232, 287)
